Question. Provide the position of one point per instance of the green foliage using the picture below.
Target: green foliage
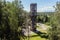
(54, 33)
(43, 18)
(9, 19)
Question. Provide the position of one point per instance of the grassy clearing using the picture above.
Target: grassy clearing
(36, 38)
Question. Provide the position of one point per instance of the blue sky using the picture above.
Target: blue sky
(42, 5)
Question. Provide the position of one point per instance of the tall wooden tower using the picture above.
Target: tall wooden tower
(33, 14)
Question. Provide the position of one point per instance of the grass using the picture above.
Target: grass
(35, 36)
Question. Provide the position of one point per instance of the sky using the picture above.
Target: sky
(42, 5)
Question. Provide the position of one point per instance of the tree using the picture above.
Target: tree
(9, 13)
(54, 33)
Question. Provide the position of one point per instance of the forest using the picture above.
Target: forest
(13, 18)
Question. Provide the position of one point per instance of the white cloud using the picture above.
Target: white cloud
(9, 0)
(45, 9)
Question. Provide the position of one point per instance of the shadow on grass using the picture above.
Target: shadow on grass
(42, 35)
(39, 34)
